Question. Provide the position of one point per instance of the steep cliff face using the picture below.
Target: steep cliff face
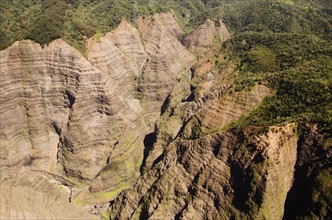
(310, 195)
(141, 128)
(33, 196)
(241, 174)
(39, 92)
(84, 120)
(165, 66)
(201, 39)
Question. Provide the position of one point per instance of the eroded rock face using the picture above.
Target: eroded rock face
(223, 31)
(282, 154)
(165, 63)
(128, 40)
(125, 122)
(30, 196)
(39, 92)
(216, 177)
(202, 38)
(81, 119)
(212, 111)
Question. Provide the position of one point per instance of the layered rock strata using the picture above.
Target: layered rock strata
(83, 120)
(75, 130)
(201, 39)
(224, 175)
(32, 196)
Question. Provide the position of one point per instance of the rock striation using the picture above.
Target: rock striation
(83, 119)
(140, 128)
(165, 65)
(201, 39)
(30, 196)
(216, 177)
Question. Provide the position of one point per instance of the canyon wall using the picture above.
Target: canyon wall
(141, 126)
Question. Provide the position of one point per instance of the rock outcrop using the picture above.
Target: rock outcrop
(83, 120)
(223, 32)
(165, 65)
(30, 196)
(244, 174)
(201, 39)
(141, 128)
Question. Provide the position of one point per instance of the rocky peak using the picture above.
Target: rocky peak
(84, 120)
(223, 31)
(201, 38)
(141, 128)
(127, 39)
(205, 36)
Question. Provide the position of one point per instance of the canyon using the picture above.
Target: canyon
(138, 128)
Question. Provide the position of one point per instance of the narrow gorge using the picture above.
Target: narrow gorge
(144, 126)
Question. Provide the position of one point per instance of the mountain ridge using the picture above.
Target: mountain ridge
(149, 118)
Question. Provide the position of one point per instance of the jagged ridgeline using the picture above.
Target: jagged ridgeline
(157, 109)
(73, 20)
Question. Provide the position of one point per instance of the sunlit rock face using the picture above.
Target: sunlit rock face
(240, 174)
(82, 120)
(137, 128)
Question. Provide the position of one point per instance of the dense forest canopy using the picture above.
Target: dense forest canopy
(46, 20)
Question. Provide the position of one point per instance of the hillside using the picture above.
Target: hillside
(75, 20)
(216, 109)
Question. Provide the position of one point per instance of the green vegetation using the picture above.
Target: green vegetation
(105, 215)
(71, 20)
(285, 44)
(75, 20)
(322, 192)
(296, 66)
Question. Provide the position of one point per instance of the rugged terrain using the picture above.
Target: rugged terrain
(83, 120)
(154, 122)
